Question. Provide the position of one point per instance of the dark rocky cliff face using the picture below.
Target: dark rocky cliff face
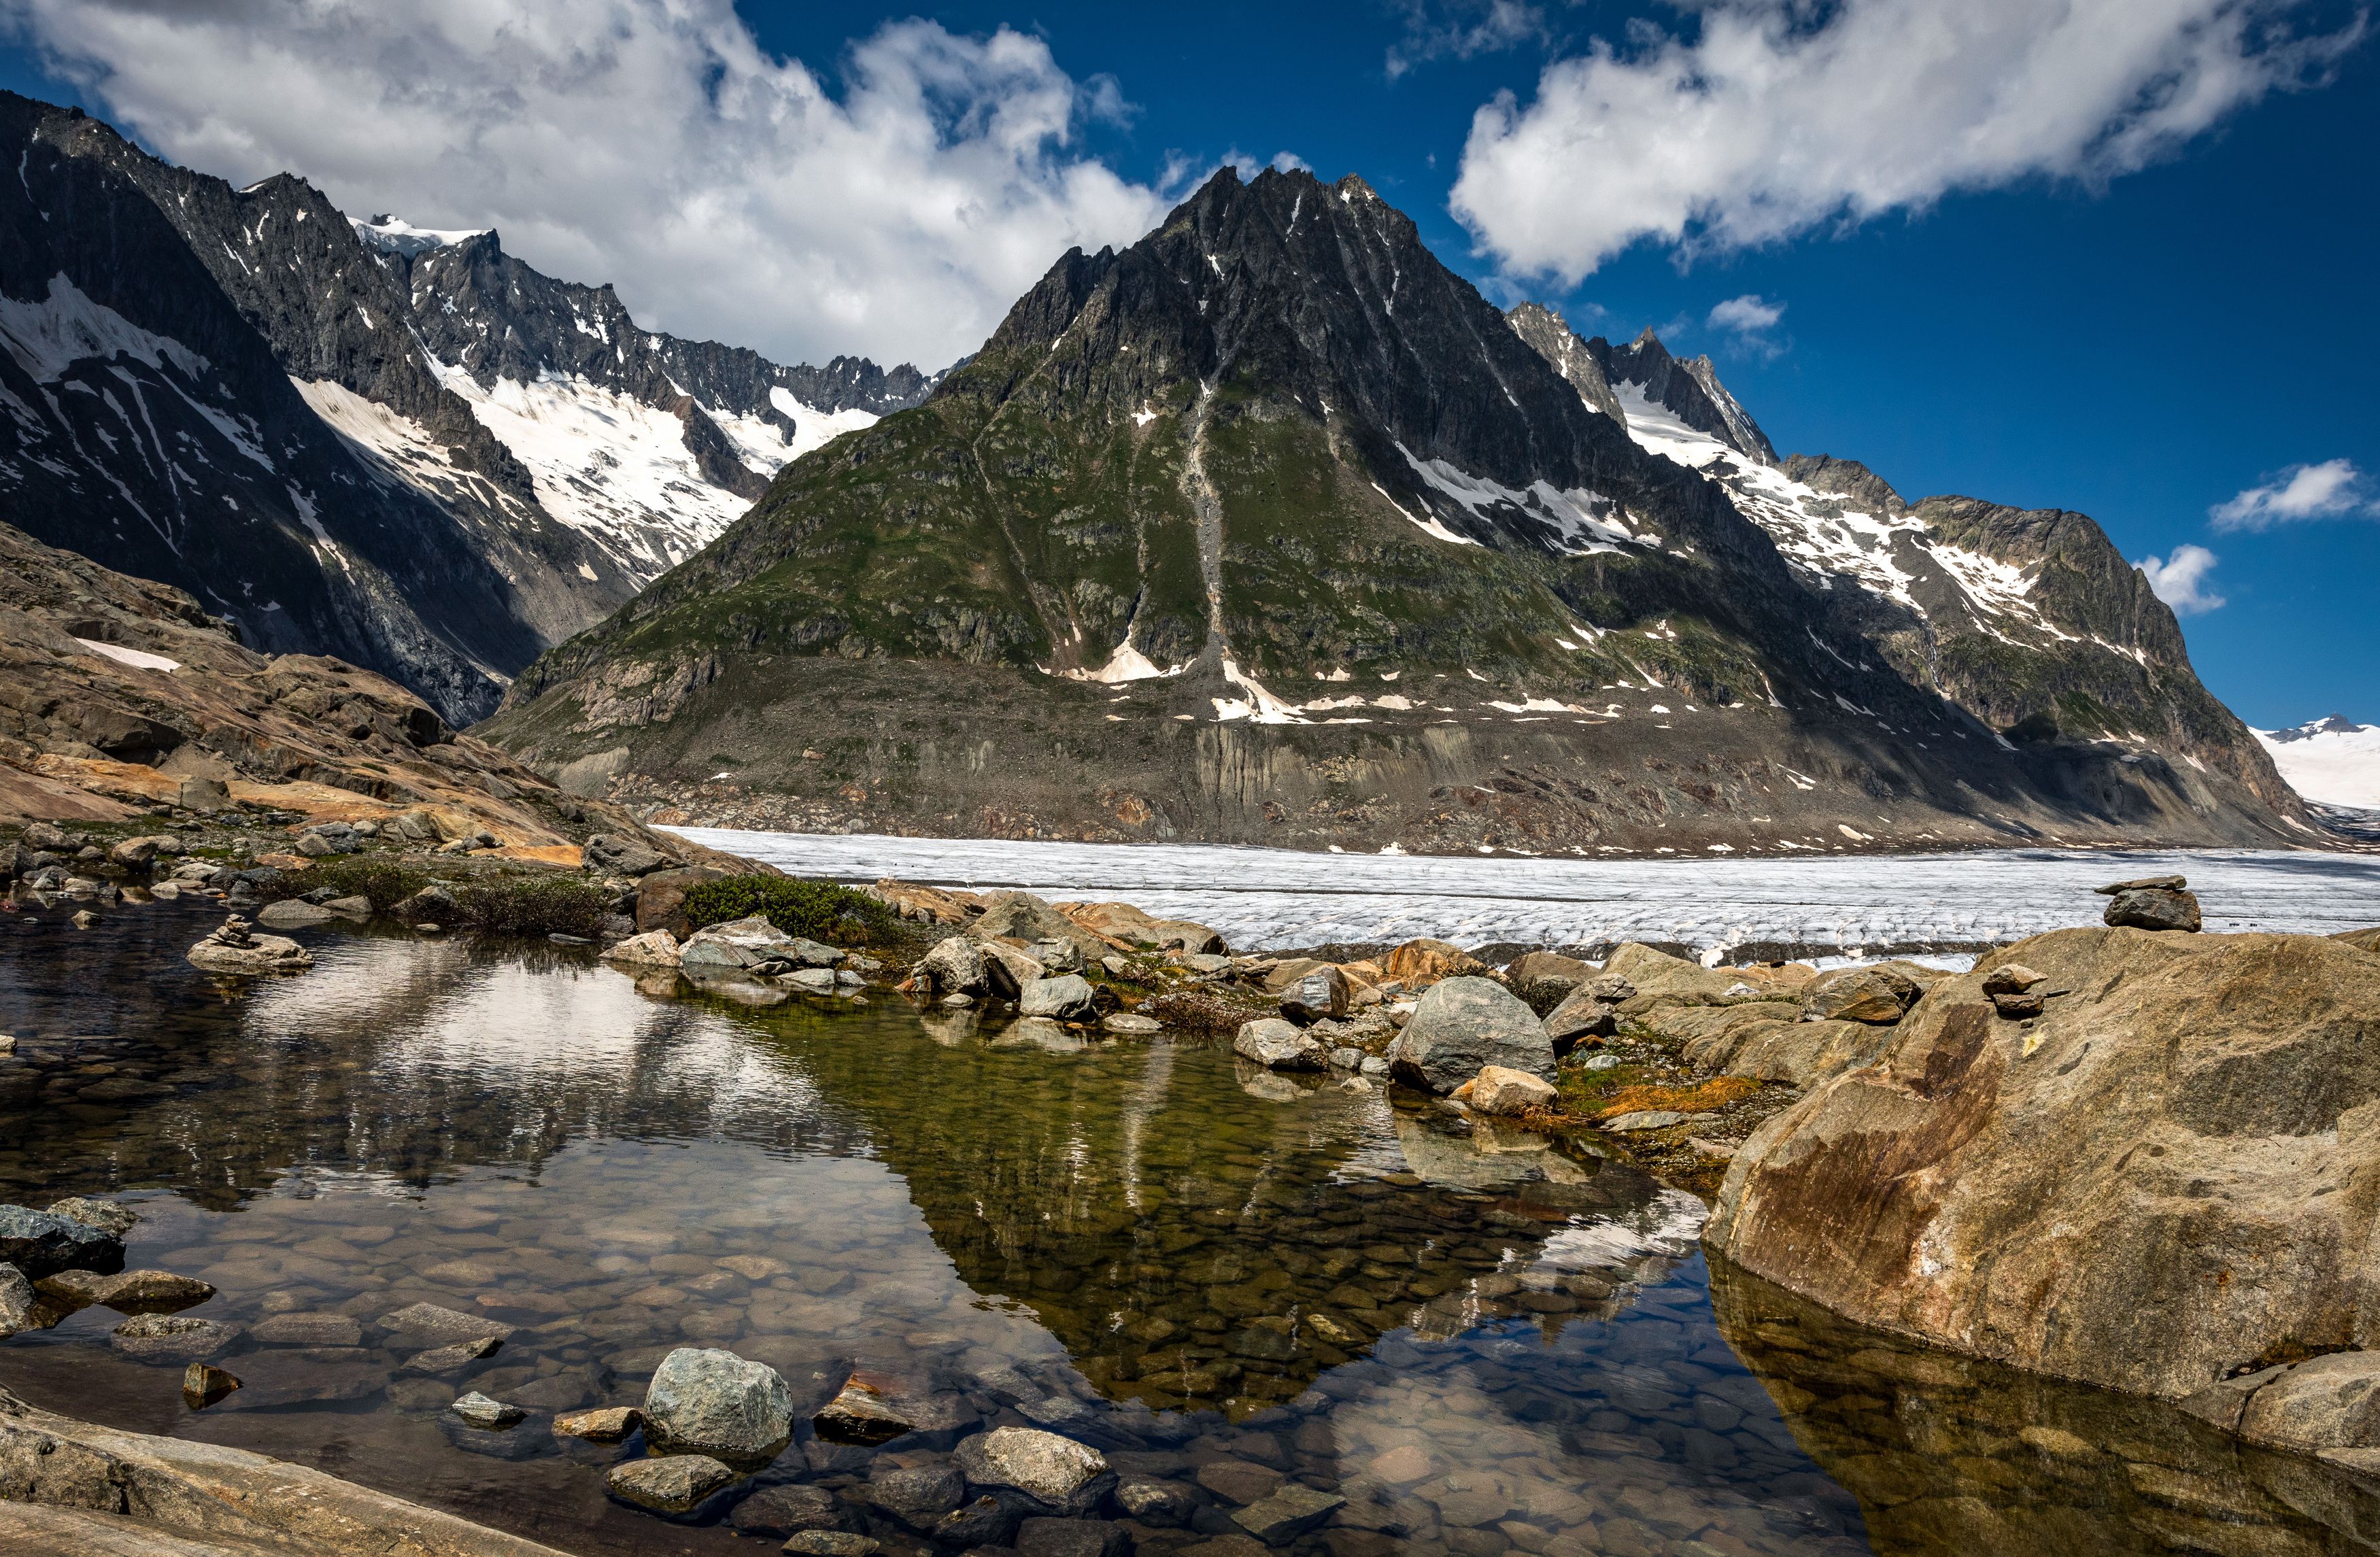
(234, 392)
(1270, 528)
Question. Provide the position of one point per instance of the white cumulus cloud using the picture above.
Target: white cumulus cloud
(2329, 490)
(2180, 581)
(1769, 118)
(730, 194)
(1747, 315)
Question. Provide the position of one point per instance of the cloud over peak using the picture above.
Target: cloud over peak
(651, 143)
(1776, 117)
(2180, 581)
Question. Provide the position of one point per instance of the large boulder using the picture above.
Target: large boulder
(1463, 1023)
(622, 855)
(1497, 1091)
(2153, 909)
(707, 1401)
(661, 897)
(2151, 1187)
(1020, 916)
(955, 966)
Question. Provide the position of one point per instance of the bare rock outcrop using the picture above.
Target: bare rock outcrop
(2164, 1182)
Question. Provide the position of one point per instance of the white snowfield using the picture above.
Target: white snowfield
(2331, 761)
(1270, 898)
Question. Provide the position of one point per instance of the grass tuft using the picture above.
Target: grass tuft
(826, 911)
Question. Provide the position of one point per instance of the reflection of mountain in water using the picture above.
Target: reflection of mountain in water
(1192, 1243)
(1190, 1237)
(1951, 1457)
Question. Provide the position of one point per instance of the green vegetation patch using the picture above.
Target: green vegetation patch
(385, 882)
(533, 906)
(826, 911)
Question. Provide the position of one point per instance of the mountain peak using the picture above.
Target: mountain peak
(1691, 391)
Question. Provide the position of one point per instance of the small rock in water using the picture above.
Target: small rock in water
(787, 1511)
(918, 1496)
(232, 949)
(1496, 1090)
(151, 1292)
(307, 1330)
(670, 1484)
(706, 1401)
(440, 1361)
(832, 1543)
(1156, 1502)
(1132, 1024)
(863, 1411)
(1289, 1512)
(488, 1416)
(172, 1338)
(607, 1424)
(427, 1324)
(655, 948)
(988, 1520)
(1072, 1538)
(84, 920)
(1055, 1472)
(1346, 1059)
(202, 1385)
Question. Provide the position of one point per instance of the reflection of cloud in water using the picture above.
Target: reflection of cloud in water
(430, 1009)
(1667, 1226)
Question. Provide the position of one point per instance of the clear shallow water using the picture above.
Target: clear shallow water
(1260, 899)
(1220, 1277)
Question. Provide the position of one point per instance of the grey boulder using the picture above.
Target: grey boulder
(1316, 996)
(2153, 909)
(1462, 1024)
(955, 966)
(1066, 998)
(672, 1484)
(1276, 1045)
(42, 1243)
(1055, 1472)
(703, 1401)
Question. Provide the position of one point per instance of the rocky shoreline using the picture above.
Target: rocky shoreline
(1889, 1139)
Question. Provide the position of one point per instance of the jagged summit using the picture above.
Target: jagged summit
(1269, 527)
(396, 445)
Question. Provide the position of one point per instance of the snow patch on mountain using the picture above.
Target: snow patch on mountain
(607, 466)
(50, 333)
(2335, 761)
(761, 445)
(1581, 521)
(391, 236)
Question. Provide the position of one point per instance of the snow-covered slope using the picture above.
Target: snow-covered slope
(392, 444)
(2333, 760)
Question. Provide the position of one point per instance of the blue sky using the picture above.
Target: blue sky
(2138, 335)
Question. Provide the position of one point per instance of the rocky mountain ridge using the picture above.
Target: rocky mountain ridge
(299, 418)
(1270, 528)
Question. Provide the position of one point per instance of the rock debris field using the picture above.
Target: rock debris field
(1262, 899)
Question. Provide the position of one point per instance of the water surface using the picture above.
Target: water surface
(1220, 1277)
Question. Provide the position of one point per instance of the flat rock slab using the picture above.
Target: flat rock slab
(670, 1484)
(427, 1324)
(1287, 1514)
(173, 1338)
